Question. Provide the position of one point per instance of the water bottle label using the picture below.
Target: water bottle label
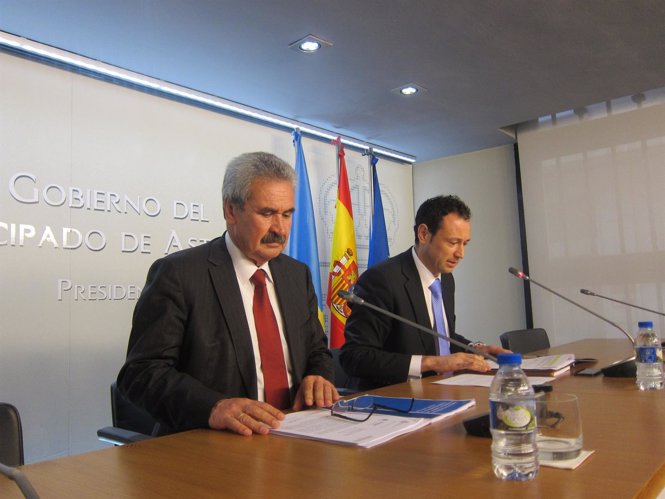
(649, 355)
(513, 416)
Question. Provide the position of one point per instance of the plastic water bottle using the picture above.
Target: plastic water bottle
(513, 421)
(648, 358)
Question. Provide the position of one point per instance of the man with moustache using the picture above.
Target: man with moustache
(226, 335)
(379, 350)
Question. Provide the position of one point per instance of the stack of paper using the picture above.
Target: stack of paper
(485, 380)
(382, 426)
(547, 365)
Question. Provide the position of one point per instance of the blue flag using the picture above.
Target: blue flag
(378, 236)
(302, 242)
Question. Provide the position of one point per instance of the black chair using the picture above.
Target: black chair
(11, 436)
(11, 449)
(525, 340)
(345, 384)
(130, 423)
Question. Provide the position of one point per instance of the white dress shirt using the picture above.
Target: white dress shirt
(245, 269)
(426, 279)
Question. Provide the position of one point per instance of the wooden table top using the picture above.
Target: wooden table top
(623, 425)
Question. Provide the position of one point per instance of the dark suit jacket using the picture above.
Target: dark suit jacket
(190, 344)
(378, 349)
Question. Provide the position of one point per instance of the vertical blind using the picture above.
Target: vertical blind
(593, 185)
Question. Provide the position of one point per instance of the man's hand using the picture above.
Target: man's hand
(244, 416)
(492, 349)
(454, 362)
(315, 390)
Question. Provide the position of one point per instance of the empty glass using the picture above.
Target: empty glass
(559, 426)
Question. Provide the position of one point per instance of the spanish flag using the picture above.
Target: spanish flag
(343, 261)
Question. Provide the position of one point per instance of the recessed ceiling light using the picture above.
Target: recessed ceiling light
(310, 44)
(409, 89)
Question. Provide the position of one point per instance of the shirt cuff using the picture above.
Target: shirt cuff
(414, 366)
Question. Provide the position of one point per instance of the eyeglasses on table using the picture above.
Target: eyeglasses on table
(355, 410)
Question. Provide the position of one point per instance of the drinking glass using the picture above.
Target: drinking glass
(559, 426)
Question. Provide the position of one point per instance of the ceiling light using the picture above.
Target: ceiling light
(310, 44)
(409, 89)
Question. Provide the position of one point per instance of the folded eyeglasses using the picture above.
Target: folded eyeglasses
(361, 411)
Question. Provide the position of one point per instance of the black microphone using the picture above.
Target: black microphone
(623, 369)
(357, 300)
(591, 293)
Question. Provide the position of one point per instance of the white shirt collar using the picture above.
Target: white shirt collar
(426, 277)
(244, 267)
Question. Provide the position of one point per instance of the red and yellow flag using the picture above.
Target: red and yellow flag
(344, 261)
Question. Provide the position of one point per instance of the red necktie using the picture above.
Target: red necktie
(275, 381)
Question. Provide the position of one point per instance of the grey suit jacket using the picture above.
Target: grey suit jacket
(377, 349)
(190, 344)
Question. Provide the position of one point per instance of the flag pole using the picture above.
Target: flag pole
(338, 143)
(344, 260)
(378, 237)
(370, 155)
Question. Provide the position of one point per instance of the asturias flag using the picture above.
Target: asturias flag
(302, 242)
(378, 236)
(343, 261)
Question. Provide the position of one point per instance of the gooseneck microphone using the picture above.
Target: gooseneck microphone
(625, 368)
(523, 276)
(357, 300)
(591, 293)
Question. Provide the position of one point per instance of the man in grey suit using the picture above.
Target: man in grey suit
(380, 351)
(197, 354)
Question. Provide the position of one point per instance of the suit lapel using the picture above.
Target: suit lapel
(414, 291)
(226, 287)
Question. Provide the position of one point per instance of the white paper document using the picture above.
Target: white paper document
(485, 380)
(320, 424)
(568, 464)
(544, 363)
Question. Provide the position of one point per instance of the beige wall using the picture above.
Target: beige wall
(487, 302)
(66, 312)
(595, 215)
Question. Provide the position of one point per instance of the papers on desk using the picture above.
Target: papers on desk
(319, 424)
(546, 365)
(485, 380)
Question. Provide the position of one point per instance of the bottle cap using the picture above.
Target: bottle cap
(648, 324)
(509, 358)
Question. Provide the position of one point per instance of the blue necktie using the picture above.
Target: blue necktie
(437, 309)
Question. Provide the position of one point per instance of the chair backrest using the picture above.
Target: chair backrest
(130, 417)
(11, 436)
(525, 340)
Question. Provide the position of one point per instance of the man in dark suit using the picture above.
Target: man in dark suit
(204, 350)
(380, 351)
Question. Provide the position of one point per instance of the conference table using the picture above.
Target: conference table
(625, 428)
